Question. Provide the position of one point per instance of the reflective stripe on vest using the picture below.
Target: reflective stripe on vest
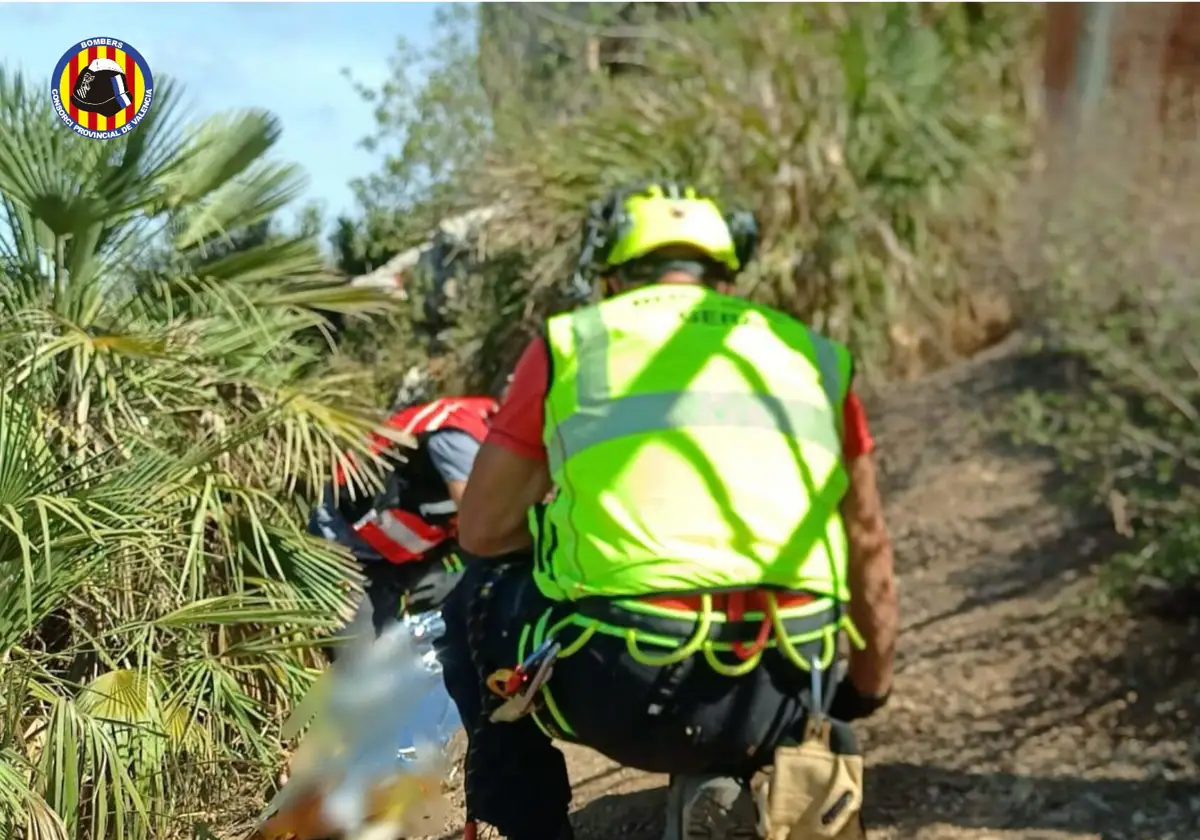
(601, 418)
(398, 535)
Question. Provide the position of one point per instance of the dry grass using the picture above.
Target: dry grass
(875, 143)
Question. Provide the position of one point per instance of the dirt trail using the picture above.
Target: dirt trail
(1015, 714)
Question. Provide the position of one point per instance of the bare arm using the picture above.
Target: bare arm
(456, 490)
(453, 454)
(874, 606)
(492, 514)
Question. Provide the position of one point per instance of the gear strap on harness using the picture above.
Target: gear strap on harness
(663, 692)
(736, 611)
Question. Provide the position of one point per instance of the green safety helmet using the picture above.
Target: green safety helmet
(633, 222)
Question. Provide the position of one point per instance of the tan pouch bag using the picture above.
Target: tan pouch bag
(814, 794)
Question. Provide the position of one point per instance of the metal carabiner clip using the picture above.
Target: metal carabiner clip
(817, 690)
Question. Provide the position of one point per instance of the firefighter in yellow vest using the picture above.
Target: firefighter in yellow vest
(672, 520)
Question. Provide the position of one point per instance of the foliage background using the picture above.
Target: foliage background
(167, 408)
(875, 143)
(1110, 278)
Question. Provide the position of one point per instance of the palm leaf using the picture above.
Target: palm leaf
(165, 405)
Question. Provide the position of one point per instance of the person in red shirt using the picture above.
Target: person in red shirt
(685, 718)
(404, 537)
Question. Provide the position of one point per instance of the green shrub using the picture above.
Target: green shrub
(875, 142)
(1114, 280)
(165, 410)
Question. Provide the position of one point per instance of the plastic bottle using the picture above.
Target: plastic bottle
(374, 756)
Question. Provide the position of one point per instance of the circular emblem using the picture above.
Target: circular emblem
(102, 88)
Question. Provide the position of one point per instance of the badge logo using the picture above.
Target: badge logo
(102, 88)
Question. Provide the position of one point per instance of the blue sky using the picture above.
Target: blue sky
(286, 57)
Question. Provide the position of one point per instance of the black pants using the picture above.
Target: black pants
(392, 588)
(417, 587)
(706, 722)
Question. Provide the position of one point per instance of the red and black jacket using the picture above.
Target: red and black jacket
(415, 514)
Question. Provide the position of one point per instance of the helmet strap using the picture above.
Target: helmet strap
(595, 244)
(696, 268)
(650, 270)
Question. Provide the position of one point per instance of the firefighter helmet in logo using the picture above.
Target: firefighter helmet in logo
(102, 88)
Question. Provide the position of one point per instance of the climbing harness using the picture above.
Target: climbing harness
(788, 622)
(801, 623)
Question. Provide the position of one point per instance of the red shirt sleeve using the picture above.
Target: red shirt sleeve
(856, 437)
(518, 423)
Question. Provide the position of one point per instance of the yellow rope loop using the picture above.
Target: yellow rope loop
(852, 633)
(683, 651)
(540, 635)
(739, 670)
(582, 639)
(781, 636)
(829, 653)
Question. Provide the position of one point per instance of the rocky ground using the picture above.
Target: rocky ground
(1018, 711)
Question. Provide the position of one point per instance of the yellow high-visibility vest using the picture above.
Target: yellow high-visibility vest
(695, 443)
